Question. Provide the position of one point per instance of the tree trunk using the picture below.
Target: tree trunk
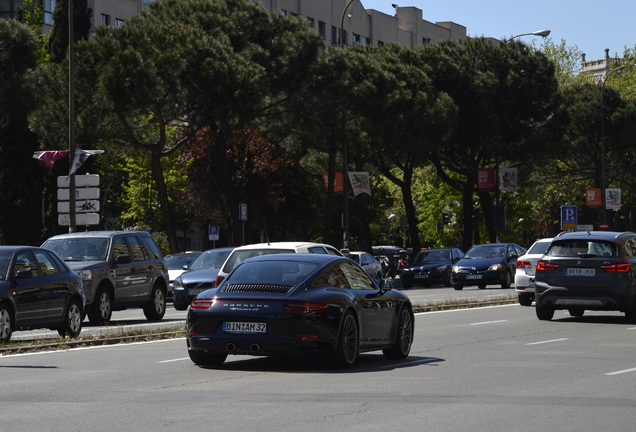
(162, 192)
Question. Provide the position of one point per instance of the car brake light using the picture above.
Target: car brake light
(524, 264)
(544, 266)
(202, 304)
(304, 307)
(622, 266)
(218, 281)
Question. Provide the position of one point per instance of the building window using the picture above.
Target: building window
(380, 43)
(283, 12)
(105, 19)
(48, 7)
(119, 22)
(426, 41)
(335, 40)
(322, 29)
(356, 39)
(366, 41)
(311, 22)
(148, 1)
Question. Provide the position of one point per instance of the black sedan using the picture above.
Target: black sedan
(38, 290)
(484, 264)
(430, 267)
(298, 304)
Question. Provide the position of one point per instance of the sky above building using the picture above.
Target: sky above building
(591, 26)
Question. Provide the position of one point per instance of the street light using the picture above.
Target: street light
(345, 179)
(542, 33)
(388, 227)
(603, 198)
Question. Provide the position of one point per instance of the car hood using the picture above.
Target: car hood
(207, 275)
(480, 263)
(85, 265)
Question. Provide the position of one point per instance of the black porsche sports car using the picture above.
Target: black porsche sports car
(295, 304)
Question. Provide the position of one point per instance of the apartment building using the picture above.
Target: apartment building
(359, 25)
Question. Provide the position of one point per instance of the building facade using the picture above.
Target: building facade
(360, 26)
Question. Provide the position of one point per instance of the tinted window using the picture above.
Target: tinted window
(210, 260)
(137, 250)
(273, 272)
(5, 259)
(241, 255)
(46, 263)
(26, 261)
(581, 248)
(152, 246)
(317, 250)
(357, 278)
(630, 248)
(119, 247)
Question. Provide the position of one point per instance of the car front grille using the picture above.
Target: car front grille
(258, 288)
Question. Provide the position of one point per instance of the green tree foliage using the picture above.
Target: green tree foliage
(32, 14)
(505, 94)
(57, 45)
(20, 184)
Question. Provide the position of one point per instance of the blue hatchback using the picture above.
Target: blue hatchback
(487, 264)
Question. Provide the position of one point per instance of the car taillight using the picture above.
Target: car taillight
(218, 281)
(202, 304)
(622, 266)
(544, 266)
(524, 264)
(304, 307)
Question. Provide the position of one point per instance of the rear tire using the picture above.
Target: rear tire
(346, 352)
(576, 312)
(458, 287)
(101, 309)
(6, 323)
(544, 313)
(72, 326)
(481, 286)
(506, 282)
(403, 337)
(156, 308)
(525, 299)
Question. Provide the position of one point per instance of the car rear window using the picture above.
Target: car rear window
(539, 248)
(273, 272)
(582, 249)
(238, 256)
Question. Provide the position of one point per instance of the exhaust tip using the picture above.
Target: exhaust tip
(230, 347)
(255, 347)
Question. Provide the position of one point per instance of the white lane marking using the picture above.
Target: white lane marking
(547, 341)
(174, 360)
(488, 322)
(621, 372)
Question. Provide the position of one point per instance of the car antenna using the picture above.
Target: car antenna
(265, 231)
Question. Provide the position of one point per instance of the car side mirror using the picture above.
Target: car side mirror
(386, 285)
(24, 274)
(123, 259)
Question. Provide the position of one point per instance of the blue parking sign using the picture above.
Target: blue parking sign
(569, 217)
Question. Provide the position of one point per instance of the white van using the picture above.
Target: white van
(242, 253)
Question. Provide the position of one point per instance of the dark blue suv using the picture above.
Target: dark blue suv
(593, 270)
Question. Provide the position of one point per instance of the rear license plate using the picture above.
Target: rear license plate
(421, 276)
(473, 277)
(584, 272)
(244, 327)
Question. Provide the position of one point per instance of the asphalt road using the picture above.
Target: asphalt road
(484, 369)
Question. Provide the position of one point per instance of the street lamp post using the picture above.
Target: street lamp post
(603, 197)
(345, 177)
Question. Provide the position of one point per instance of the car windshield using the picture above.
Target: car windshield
(176, 262)
(210, 260)
(79, 249)
(273, 272)
(582, 249)
(539, 248)
(5, 259)
(432, 256)
(486, 251)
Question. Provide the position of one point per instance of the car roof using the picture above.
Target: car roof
(97, 234)
(281, 245)
(218, 250)
(310, 258)
(14, 248)
(603, 235)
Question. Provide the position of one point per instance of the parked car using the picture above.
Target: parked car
(484, 264)
(38, 290)
(367, 262)
(526, 265)
(430, 267)
(591, 270)
(177, 264)
(299, 303)
(120, 269)
(241, 253)
(199, 276)
(395, 256)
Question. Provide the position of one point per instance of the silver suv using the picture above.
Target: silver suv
(120, 269)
